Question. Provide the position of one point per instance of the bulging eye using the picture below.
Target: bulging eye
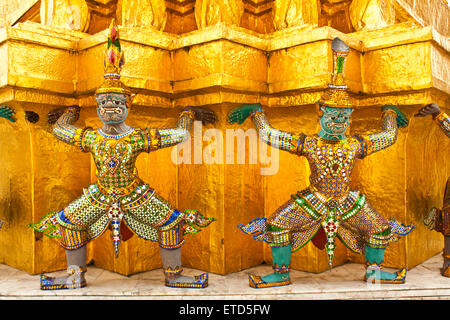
(103, 102)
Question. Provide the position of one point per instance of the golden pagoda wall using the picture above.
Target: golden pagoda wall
(41, 177)
(262, 16)
(15, 199)
(219, 66)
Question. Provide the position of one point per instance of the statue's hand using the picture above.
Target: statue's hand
(430, 219)
(241, 113)
(402, 120)
(204, 115)
(432, 109)
(73, 112)
(7, 113)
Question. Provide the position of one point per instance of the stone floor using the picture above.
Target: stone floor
(343, 282)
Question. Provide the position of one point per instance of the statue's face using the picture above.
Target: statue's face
(335, 121)
(112, 107)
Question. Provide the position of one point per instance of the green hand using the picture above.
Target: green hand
(402, 120)
(241, 113)
(7, 113)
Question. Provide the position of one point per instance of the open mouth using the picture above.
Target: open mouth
(110, 110)
(336, 125)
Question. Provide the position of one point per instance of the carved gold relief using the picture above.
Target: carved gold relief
(290, 13)
(142, 13)
(334, 13)
(68, 14)
(209, 12)
(371, 14)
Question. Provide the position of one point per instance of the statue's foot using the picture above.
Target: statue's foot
(60, 283)
(445, 270)
(380, 276)
(272, 280)
(74, 280)
(179, 281)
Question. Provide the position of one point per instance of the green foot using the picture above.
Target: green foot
(275, 277)
(380, 276)
(271, 280)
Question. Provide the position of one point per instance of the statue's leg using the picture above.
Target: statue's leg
(280, 228)
(439, 221)
(369, 233)
(76, 268)
(170, 225)
(445, 271)
(374, 253)
(69, 227)
(281, 263)
(374, 258)
(170, 242)
(281, 260)
(445, 215)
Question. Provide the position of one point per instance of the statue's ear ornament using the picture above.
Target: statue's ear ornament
(130, 99)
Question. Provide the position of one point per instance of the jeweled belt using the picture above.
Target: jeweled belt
(114, 212)
(331, 202)
(121, 191)
(330, 221)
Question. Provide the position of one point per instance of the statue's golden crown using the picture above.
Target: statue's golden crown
(336, 94)
(113, 62)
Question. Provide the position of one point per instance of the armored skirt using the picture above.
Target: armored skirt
(143, 211)
(307, 217)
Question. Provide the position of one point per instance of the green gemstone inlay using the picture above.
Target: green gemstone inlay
(340, 64)
(273, 228)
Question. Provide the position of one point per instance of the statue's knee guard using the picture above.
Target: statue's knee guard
(374, 249)
(171, 238)
(171, 232)
(278, 237)
(380, 240)
(72, 239)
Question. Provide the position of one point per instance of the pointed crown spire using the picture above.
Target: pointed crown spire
(113, 62)
(336, 94)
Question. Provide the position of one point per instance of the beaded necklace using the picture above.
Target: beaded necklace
(118, 136)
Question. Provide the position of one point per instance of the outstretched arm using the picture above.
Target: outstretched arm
(444, 123)
(163, 138)
(276, 138)
(172, 136)
(7, 113)
(63, 129)
(442, 118)
(392, 118)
